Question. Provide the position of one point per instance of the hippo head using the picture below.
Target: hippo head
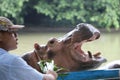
(66, 51)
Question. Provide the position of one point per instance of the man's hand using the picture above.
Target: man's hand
(50, 75)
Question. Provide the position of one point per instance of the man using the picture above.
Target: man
(13, 67)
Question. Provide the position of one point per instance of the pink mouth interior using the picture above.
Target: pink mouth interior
(85, 56)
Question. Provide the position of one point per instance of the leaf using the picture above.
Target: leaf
(46, 65)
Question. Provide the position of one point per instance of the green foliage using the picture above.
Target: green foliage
(107, 13)
(101, 13)
(12, 9)
(46, 65)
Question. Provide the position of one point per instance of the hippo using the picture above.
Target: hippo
(66, 51)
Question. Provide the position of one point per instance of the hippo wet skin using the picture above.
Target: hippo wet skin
(66, 51)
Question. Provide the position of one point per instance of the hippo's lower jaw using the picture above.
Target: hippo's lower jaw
(87, 60)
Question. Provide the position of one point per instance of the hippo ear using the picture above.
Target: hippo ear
(37, 46)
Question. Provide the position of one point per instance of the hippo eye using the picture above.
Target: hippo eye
(51, 42)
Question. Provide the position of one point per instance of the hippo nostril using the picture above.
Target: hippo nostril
(96, 35)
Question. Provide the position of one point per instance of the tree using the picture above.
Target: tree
(12, 9)
(101, 13)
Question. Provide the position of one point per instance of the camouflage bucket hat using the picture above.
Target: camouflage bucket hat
(7, 25)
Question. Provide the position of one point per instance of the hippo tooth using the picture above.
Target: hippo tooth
(97, 54)
(89, 54)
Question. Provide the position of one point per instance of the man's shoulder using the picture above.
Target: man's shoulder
(7, 58)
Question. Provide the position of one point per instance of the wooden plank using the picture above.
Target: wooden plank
(91, 75)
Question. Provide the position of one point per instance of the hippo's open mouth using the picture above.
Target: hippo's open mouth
(87, 57)
(83, 55)
(80, 35)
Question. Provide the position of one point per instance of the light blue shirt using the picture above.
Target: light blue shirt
(15, 68)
